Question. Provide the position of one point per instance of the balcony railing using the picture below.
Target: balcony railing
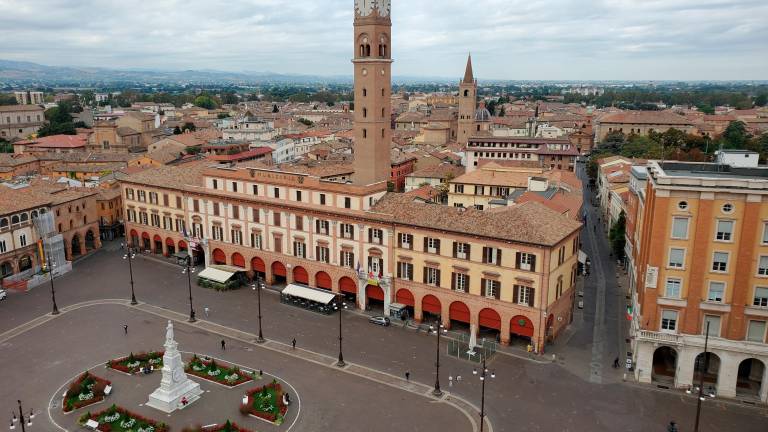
(659, 337)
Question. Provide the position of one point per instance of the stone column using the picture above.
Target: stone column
(445, 314)
(686, 361)
(362, 283)
(727, 376)
(387, 288)
(418, 313)
(644, 362)
(764, 384)
(504, 332)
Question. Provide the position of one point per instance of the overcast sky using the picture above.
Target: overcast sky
(509, 39)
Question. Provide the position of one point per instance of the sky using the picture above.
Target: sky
(508, 39)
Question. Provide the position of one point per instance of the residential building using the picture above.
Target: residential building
(402, 166)
(434, 175)
(20, 121)
(29, 97)
(555, 153)
(641, 123)
(702, 260)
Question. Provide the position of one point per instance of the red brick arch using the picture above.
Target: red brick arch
(238, 260)
(347, 285)
(374, 292)
(431, 304)
(300, 275)
(521, 325)
(490, 318)
(219, 257)
(458, 311)
(405, 297)
(323, 280)
(278, 269)
(257, 264)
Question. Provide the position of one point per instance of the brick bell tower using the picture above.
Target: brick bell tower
(467, 104)
(373, 88)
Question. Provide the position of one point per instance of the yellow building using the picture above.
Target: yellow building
(701, 254)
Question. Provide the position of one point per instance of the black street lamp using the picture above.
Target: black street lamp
(129, 256)
(483, 375)
(188, 270)
(340, 306)
(701, 380)
(23, 421)
(437, 329)
(258, 286)
(51, 267)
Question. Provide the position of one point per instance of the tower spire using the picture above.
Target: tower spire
(469, 76)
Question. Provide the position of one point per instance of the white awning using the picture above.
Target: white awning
(306, 293)
(216, 275)
(582, 257)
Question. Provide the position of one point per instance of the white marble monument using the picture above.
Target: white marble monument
(175, 385)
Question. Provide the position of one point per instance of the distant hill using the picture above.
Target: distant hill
(16, 71)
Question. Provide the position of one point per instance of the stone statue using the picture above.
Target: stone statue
(176, 390)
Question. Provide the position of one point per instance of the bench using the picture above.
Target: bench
(92, 424)
(107, 390)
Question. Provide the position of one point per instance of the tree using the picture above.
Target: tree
(7, 99)
(275, 109)
(188, 127)
(222, 116)
(502, 111)
(761, 100)
(735, 135)
(306, 122)
(59, 121)
(205, 101)
(177, 131)
(193, 150)
(229, 98)
(617, 236)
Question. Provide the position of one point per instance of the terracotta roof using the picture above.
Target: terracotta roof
(249, 154)
(424, 193)
(439, 171)
(57, 141)
(125, 131)
(646, 117)
(39, 193)
(533, 222)
(14, 108)
(176, 177)
(12, 159)
(411, 116)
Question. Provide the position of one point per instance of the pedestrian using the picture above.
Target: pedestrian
(672, 427)
(450, 381)
(408, 376)
(206, 310)
(125, 328)
(293, 343)
(261, 373)
(223, 345)
(616, 363)
(458, 379)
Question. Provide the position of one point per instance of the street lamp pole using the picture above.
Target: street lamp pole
(438, 329)
(340, 306)
(258, 286)
(130, 255)
(51, 265)
(701, 380)
(22, 420)
(483, 376)
(189, 269)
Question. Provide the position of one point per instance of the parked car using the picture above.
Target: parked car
(379, 320)
(3, 294)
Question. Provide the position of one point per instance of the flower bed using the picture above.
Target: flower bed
(217, 372)
(87, 389)
(226, 427)
(135, 362)
(117, 419)
(266, 403)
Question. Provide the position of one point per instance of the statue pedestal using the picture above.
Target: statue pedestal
(175, 385)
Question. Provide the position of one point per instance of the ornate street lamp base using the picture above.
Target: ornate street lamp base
(341, 364)
(260, 340)
(437, 392)
(55, 312)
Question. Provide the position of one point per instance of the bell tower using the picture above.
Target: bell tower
(373, 89)
(467, 104)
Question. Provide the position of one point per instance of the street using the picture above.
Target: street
(524, 396)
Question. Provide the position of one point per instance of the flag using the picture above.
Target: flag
(629, 313)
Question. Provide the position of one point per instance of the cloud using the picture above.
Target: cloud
(510, 39)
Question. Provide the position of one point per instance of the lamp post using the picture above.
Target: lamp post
(340, 306)
(23, 421)
(258, 286)
(129, 256)
(437, 329)
(483, 375)
(188, 270)
(701, 380)
(51, 267)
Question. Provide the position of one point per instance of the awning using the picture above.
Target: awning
(322, 297)
(216, 274)
(181, 255)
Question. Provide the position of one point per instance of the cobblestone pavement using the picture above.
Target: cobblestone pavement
(525, 395)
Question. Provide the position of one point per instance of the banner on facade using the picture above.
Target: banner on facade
(651, 277)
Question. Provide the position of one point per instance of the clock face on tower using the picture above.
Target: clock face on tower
(364, 7)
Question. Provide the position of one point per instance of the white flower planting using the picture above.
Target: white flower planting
(85, 396)
(233, 377)
(216, 372)
(112, 418)
(126, 424)
(134, 364)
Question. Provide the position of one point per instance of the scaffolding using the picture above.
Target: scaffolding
(460, 348)
(52, 242)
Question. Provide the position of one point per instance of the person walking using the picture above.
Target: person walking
(408, 376)
(206, 310)
(616, 363)
(223, 345)
(458, 379)
(450, 380)
(293, 343)
(672, 427)
(125, 328)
